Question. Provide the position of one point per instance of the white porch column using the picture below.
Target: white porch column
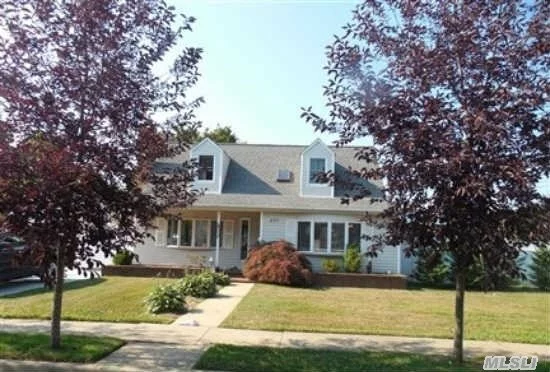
(218, 228)
(261, 234)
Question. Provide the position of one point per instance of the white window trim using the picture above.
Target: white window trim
(312, 243)
(213, 168)
(178, 234)
(345, 237)
(194, 233)
(329, 237)
(180, 223)
(316, 184)
(208, 224)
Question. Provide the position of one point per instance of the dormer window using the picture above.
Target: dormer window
(206, 167)
(316, 166)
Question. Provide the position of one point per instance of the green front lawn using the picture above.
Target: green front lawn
(246, 358)
(500, 316)
(79, 349)
(110, 299)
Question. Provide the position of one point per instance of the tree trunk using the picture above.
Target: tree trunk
(57, 298)
(459, 316)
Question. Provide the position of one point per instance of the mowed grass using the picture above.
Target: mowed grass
(252, 359)
(109, 299)
(499, 316)
(79, 349)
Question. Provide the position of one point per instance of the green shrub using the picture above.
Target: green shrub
(330, 265)
(124, 257)
(166, 299)
(200, 285)
(352, 259)
(233, 271)
(540, 268)
(431, 269)
(221, 279)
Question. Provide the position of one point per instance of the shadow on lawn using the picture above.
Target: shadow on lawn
(77, 284)
(425, 346)
(414, 286)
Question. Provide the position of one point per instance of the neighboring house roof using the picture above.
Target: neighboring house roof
(251, 180)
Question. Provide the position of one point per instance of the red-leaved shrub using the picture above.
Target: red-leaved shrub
(278, 263)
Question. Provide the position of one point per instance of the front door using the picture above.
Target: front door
(245, 237)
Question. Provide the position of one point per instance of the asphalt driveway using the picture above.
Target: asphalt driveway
(19, 285)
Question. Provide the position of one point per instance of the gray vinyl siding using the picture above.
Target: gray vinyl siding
(386, 261)
(274, 226)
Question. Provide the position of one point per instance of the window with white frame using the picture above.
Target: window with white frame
(202, 231)
(354, 233)
(316, 166)
(320, 237)
(327, 237)
(304, 236)
(198, 233)
(338, 237)
(206, 167)
(186, 233)
(172, 232)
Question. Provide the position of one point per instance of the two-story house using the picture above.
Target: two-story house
(264, 193)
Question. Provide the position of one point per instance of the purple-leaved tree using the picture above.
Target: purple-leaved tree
(455, 97)
(83, 116)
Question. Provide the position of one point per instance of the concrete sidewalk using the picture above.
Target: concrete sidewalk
(133, 357)
(202, 336)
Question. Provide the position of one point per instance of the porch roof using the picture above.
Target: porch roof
(286, 202)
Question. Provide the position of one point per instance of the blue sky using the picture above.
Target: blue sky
(262, 61)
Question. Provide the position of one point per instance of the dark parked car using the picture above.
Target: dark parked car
(10, 246)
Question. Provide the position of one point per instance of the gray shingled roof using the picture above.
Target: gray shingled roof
(251, 180)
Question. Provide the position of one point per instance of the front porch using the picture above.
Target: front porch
(192, 237)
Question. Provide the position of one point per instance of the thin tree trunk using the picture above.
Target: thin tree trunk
(459, 316)
(57, 298)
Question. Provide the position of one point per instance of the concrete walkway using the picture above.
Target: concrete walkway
(178, 346)
(212, 312)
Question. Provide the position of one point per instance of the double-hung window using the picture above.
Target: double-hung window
(206, 167)
(304, 236)
(316, 166)
(172, 232)
(338, 237)
(202, 230)
(186, 233)
(320, 233)
(354, 233)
